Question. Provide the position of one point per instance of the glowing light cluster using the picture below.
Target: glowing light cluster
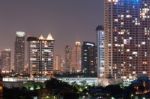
(144, 12)
(49, 37)
(113, 1)
(129, 1)
(20, 33)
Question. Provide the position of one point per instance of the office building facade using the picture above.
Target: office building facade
(19, 52)
(58, 63)
(67, 64)
(100, 51)
(76, 58)
(40, 55)
(88, 58)
(127, 38)
(6, 60)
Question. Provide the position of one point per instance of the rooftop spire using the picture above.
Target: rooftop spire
(49, 37)
(41, 37)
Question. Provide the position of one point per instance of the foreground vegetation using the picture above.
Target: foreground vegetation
(56, 89)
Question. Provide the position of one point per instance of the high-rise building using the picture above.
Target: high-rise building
(6, 60)
(100, 51)
(67, 65)
(88, 58)
(0, 61)
(19, 54)
(127, 38)
(40, 55)
(76, 58)
(57, 63)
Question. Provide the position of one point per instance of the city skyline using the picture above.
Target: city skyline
(72, 18)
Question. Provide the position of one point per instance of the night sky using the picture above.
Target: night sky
(67, 20)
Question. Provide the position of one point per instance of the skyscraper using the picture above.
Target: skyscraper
(57, 63)
(76, 57)
(127, 38)
(88, 58)
(6, 60)
(40, 55)
(67, 64)
(19, 55)
(0, 61)
(100, 51)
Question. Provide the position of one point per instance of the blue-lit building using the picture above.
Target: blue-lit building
(127, 38)
(100, 51)
(88, 58)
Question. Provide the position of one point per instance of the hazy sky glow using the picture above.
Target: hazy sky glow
(67, 20)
